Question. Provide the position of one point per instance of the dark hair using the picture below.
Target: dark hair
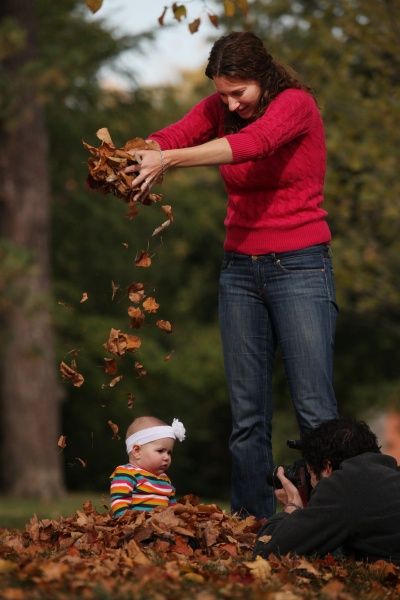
(336, 440)
(242, 55)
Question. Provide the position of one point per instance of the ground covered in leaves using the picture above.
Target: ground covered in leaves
(187, 551)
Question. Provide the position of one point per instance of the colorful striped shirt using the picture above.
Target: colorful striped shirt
(133, 488)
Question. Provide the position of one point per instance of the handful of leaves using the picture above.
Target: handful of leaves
(106, 169)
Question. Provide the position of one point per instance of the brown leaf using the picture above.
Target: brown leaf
(333, 589)
(143, 259)
(115, 289)
(103, 134)
(131, 400)
(114, 429)
(164, 325)
(168, 356)
(161, 228)
(71, 374)
(114, 381)
(84, 297)
(307, 566)
(119, 343)
(162, 16)
(140, 370)
(150, 305)
(62, 441)
(265, 539)
(82, 462)
(229, 8)
(110, 366)
(94, 5)
(167, 209)
(194, 25)
(214, 19)
(179, 11)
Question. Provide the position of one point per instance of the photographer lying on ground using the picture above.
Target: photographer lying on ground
(354, 507)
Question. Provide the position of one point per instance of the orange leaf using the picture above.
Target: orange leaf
(164, 325)
(94, 5)
(114, 381)
(150, 305)
(62, 441)
(141, 371)
(119, 343)
(167, 209)
(143, 260)
(229, 8)
(137, 317)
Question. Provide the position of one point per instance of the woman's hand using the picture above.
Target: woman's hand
(289, 494)
(150, 170)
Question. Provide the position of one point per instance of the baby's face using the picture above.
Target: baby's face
(155, 456)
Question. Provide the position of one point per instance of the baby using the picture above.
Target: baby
(142, 483)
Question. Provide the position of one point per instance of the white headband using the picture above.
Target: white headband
(175, 431)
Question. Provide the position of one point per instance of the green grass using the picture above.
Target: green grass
(15, 512)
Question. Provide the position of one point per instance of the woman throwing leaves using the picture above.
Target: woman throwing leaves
(264, 130)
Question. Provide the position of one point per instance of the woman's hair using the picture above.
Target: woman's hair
(242, 55)
(336, 440)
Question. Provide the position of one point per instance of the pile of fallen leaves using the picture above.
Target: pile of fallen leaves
(187, 551)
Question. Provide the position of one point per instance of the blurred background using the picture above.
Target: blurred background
(64, 74)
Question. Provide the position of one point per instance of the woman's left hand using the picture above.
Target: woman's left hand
(150, 170)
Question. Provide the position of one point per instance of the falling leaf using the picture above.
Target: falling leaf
(82, 462)
(150, 305)
(71, 374)
(110, 366)
(179, 11)
(194, 25)
(115, 289)
(65, 305)
(168, 357)
(62, 441)
(167, 209)
(104, 135)
(140, 370)
(143, 259)
(164, 325)
(161, 228)
(136, 316)
(114, 429)
(131, 400)
(229, 8)
(125, 245)
(260, 569)
(214, 19)
(114, 381)
(119, 342)
(162, 16)
(84, 298)
(94, 5)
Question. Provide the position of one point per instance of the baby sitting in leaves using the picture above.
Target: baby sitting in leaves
(142, 483)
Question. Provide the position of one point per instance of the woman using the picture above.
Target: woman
(263, 128)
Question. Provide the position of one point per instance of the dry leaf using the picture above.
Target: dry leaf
(168, 356)
(131, 400)
(260, 569)
(143, 260)
(265, 539)
(104, 136)
(114, 429)
(140, 370)
(114, 381)
(115, 289)
(94, 5)
(150, 305)
(110, 366)
(307, 566)
(161, 228)
(136, 316)
(162, 16)
(119, 343)
(84, 298)
(71, 374)
(194, 25)
(62, 441)
(82, 462)
(213, 19)
(164, 325)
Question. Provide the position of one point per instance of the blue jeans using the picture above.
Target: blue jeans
(288, 299)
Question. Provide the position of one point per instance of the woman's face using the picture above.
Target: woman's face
(240, 95)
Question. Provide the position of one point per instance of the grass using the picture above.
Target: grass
(15, 512)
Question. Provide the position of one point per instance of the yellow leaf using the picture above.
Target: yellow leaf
(194, 25)
(94, 5)
(179, 11)
(259, 568)
(7, 565)
(104, 135)
(229, 8)
(243, 5)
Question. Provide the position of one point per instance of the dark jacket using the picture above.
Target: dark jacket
(357, 509)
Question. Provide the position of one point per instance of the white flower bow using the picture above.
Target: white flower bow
(178, 429)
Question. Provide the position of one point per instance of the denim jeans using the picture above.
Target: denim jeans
(288, 299)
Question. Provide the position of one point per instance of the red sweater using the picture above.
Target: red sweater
(275, 183)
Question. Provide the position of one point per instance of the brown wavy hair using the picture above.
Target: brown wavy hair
(242, 55)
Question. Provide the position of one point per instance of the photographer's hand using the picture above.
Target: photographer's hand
(289, 494)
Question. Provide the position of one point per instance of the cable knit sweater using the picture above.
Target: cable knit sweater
(275, 183)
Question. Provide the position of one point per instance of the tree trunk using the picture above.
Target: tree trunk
(31, 395)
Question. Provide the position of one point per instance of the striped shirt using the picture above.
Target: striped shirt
(133, 488)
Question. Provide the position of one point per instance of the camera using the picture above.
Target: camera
(297, 473)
